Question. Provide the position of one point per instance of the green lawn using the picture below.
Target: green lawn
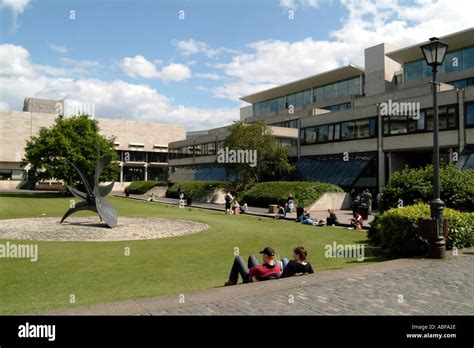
(99, 272)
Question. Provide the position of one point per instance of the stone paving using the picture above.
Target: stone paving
(398, 287)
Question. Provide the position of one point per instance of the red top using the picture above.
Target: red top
(265, 271)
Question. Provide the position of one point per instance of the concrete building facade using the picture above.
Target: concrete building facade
(346, 132)
(142, 147)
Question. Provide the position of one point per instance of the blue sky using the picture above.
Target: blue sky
(140, 60)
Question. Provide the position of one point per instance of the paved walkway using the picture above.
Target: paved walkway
(398, 287)
(344, 216)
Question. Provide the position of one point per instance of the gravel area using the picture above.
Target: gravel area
(91, 229)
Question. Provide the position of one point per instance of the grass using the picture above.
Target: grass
(99, 272)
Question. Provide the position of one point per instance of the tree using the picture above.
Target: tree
(270, 162)
(70, 140)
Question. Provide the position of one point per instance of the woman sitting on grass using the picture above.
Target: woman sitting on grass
(298, 265)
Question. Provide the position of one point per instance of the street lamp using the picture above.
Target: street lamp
(434, 53)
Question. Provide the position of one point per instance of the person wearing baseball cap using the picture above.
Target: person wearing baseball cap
(253, 271)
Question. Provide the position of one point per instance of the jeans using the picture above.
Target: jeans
(239, 267)
(285, 262)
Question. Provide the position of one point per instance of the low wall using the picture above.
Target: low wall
(7, 185)
(159, 191)
(332, 200)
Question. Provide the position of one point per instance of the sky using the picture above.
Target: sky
(189, 62)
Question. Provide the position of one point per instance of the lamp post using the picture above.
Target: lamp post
(434, 53)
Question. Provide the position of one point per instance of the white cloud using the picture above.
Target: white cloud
(20, 78)
(367, 23)
(209, 76)
(17, 7)
(139, 66)
(293, 4)
(58, 48)
(191, 47)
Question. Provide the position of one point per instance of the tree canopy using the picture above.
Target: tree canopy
(271, 161)
(70, 140)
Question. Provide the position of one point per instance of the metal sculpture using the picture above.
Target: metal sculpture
(94, 199)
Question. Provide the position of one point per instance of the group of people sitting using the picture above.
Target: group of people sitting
(271, 268)
(233, 207)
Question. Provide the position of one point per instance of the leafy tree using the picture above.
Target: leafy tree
(70, 140)
(271, 160)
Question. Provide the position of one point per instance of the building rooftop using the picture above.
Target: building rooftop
(321, 79)
(456, 40)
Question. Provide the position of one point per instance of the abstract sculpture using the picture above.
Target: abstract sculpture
(94, 200)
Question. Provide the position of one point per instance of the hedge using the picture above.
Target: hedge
(415, 186)
(305, 193)
(196, 189)
(396, 230)
(141, 187)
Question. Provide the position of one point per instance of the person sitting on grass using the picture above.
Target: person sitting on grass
(306, 218)
(252, 271)
(331, 220)
(235, 207)
(298, 265)
(281, 213)
(356, 221)
(244, 208)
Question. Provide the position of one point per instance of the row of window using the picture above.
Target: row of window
(349, 130)
(454, 61)
(287, 124)
(338, 107)
(469, 110)
(303, 98)
(206, 149)
(394, 125)
(142, 156)
(462, 83)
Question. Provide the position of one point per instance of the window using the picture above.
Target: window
(354, 86)
(347, 130)
(307, 97)
(291, 100)
(343, 88)
(453, 61)
(469, 114)
(310, 135)
(373, 127)
(337, 133)
(447, 118)
(468, 58)
(331, 132)
(361, 129)
(322, 134)
(398, 125)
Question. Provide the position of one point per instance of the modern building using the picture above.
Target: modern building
(357, 125)
(142, 147)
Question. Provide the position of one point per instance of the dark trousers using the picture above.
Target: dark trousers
(239, 267)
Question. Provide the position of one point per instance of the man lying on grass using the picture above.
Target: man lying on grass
(252, 271)
(270, 268)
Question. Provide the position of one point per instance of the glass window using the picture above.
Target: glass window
(281, 103)
(347, 130)
(330, 132)
(373, 127)
(398, 125)
(343, 88)
(328, 92)
(429, 120)
(420, 123)
(337, 134)
(453, 61)
(386, 124)
(299, 99)
(468, 57)
(307, 97)
(310, 135)
(451, 117)
(361, 129)
(469, 114)
(322, 134)
(291, 100)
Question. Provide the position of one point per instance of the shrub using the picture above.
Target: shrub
(415, 186)
(196, 189)
(305, 193)
(397, 232)
(141, 187)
